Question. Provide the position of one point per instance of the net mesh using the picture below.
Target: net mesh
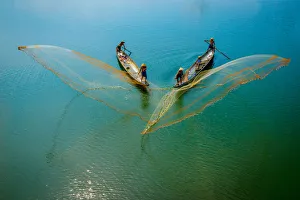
(211, 86)
(97, 80)
(156, 106)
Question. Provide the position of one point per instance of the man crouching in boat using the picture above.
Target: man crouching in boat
(212, 44)
(122, 44)
(143, 70)
(179, 76)
(198, 64)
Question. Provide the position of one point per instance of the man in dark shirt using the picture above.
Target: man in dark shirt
(122, 44)
(212, 44)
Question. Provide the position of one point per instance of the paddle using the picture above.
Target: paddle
(127, 50)
(207, 41)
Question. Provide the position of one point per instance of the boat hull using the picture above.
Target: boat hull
(130, 67)
(202, 63)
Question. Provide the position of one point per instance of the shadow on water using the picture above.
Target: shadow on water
(145, 98)
(51, 154)
(146, 152)
(144, 140)
(52, 151)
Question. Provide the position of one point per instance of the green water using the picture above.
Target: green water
(58, 144)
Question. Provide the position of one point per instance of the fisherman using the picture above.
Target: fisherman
(179, 76)
(122, 44)
(212, 44)
(198, 63)
(143, 71)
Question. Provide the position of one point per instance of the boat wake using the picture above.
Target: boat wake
(112, 87)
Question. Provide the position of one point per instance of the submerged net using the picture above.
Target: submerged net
(159, 107)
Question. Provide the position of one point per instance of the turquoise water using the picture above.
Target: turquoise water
(58, 144)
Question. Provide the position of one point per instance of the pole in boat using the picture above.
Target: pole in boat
(207, 41)
(128, 51)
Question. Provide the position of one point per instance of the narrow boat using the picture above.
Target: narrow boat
(199, 65)
(130, 67)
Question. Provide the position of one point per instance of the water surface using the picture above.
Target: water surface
(58, 144)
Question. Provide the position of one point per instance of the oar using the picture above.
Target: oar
(218, 50)
(127, 50)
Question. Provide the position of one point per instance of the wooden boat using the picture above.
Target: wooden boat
(131, 67)
(199, 65)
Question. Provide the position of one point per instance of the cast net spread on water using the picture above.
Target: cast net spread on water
(209, 87)
(159, 107)
(96, 79)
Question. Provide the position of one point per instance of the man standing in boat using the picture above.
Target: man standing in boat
(122, 44)
(212, 44)
(143, 70)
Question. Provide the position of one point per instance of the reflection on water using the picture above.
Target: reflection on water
(145, 100)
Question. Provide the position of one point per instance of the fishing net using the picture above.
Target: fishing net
(159, 107)
(209, 87)
(96, 79)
